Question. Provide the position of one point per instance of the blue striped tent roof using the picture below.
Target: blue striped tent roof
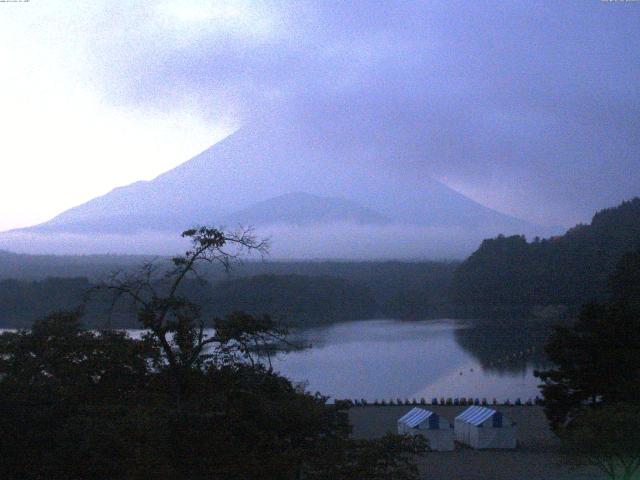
(476, 415)
(415, 417)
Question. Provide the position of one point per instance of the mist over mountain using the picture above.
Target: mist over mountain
(305, 209)
(303, 188)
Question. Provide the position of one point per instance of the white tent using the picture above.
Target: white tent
(481, 427)
(437, 430)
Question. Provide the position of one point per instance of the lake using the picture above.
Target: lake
(390, 359)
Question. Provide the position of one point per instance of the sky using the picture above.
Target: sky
(529, 107)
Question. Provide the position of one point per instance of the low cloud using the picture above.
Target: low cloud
(341, 241)
(528, 107)
(531, 108)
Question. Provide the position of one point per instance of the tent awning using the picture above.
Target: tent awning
(476, 415)
(415, 417)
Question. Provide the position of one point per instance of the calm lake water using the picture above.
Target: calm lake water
(390, 359)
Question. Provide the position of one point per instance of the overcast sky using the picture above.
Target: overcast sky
(532, 107)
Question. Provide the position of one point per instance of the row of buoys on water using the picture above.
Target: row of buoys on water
(513, 356)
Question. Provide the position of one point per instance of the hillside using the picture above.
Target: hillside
(305, 209)
(255, 165)
(508, 274)
(298, 293)
(318, 194)
(296, 299)
(38, 267)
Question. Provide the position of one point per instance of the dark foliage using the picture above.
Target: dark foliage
(65, 395)
(177, 404)
(509, 275)
(607, 437)
(38, 267)
(504, 346)
(316, 293)
(82, 404)
(21, 302)
(391, 456)
(413, 290)
(296, 299)
(597, 360)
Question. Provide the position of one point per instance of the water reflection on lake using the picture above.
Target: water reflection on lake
(389, 359)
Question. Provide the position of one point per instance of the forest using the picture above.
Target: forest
(506, 277)
(317, 293)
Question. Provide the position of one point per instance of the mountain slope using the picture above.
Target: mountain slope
(305, 209)
(571, 269)
(254, 165)
(248, 178)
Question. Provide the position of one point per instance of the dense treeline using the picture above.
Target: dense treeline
(401, 289)
(297, 293)
(396, 274)
(590, 386)
(295, 299)
(21, 302)
(38, 267)
(506, 276)
(597, 359)
(509, 274)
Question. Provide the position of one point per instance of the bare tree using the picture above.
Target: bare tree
(175, 322)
